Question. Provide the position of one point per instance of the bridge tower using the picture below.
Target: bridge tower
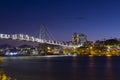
(43, 47)
(42, 36)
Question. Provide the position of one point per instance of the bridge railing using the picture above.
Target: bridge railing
(4, 36)
(26, 37)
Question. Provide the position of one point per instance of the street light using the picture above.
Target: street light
(90, 48)
(48, 49)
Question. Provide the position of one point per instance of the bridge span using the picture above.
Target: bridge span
(25, 37)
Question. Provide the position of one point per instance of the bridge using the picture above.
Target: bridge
(41, 39)
(25, 37)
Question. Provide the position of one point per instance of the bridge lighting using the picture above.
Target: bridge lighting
(52, 42)
(33, 39)
(27, 37)
(21, 36)
(1, 35)
(8, 36)
(14, 36)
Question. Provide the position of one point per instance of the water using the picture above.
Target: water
(62, 68)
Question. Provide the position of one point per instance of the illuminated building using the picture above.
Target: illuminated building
(75, 39)
(82, 38)
(78, 39)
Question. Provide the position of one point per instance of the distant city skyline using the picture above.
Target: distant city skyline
(98, 19)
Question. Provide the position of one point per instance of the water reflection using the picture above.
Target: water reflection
(74, 69)
(62, 68)
(91, 72)
(109, 75)
(3, 76)
(48, 67)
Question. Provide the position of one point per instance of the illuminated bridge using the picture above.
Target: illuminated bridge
(25, 37)
(42, 38)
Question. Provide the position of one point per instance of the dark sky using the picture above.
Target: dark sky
(97, 19)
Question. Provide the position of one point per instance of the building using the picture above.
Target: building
(82, 38)
(75, 39)
(79, 39)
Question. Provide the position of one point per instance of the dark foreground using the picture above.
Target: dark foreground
(62, 68)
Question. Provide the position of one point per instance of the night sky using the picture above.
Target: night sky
(98, 19)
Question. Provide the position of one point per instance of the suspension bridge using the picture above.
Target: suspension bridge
(44, 37)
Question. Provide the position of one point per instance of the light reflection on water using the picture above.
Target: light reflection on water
(49, 69)
(91, 72)
(74, 70)
(108, 70)
(63, 68)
